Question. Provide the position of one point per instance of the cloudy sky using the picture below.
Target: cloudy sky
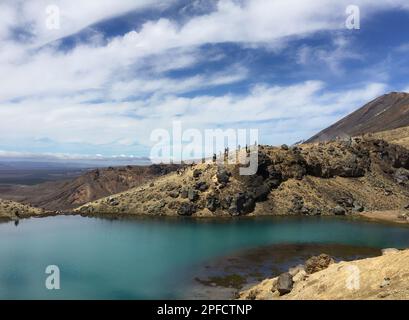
(113, 71)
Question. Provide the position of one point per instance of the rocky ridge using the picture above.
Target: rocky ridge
(10, 210)
(338, 177)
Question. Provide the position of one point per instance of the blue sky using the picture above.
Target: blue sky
(114, 71)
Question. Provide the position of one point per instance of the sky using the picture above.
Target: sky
(95, 78)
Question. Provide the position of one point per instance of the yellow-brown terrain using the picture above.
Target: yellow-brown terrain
(384, 277)
(338, 177)
(398, 136)
(10, 210)
(90, 186)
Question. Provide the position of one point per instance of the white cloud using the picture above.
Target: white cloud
(53, 88)
(163, 86)
(75, 15)
(332, 58)
(94, 66)
(291, 111)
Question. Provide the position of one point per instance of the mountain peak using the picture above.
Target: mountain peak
(387, 112)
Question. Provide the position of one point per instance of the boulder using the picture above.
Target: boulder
(339, 211)
(284, 147)
(242, 203)
(347, 202)
(401, 176)
(192, 194)
(174, 193)
(223, 176)
(357, 207)
(197, 173)
(226, 202)
(201, 186)
(187, 209)
(184, 193)
(285, 283)
(261, 192)
(273, 183)
(212, 203)
(113, 202)
(318, 263)
(314, 212)
(297, 204)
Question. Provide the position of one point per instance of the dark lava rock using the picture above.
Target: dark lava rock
(192, 194)
(347, 202)
(174, 193)
(358, 207)
(184, 193)
(285, 283)
(242, 203)
(315, 212)
(226, 202)
(297, 204)
(212, 203)
(186, 209)
(261, 192)
(113, 202)
(197, 173)
(284, 147)
(401, 176)
(223, 176)
(388, 192)
(339, 211)
(318, 263)
(201, 186)
(273, 183)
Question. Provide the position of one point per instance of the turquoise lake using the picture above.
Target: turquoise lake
(153, 258)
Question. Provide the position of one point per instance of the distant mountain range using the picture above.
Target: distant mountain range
(386, 112)
(40, 161)
(91, 185)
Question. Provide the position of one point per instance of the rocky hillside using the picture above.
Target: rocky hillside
(10, 210)
(93, 185)
(384, 277)
(387, 112)
(398, 136)
(340, 177)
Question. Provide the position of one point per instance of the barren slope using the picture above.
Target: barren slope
(98, 183)
(340, 177)
(387, 112)
(397, 136)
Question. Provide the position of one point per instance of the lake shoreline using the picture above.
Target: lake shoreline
(387, 217)
(175, 258)
(383, 277)
(226, 276)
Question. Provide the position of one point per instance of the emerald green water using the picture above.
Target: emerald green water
(152, 258)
